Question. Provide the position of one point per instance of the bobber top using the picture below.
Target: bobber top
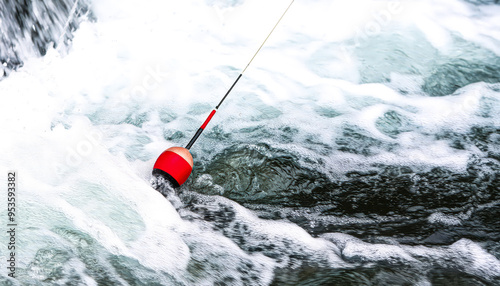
(175, 165)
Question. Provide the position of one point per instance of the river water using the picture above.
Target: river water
(361, 147)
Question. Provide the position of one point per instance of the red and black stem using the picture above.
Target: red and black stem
(200, 130)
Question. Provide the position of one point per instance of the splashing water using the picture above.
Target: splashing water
(361, 148)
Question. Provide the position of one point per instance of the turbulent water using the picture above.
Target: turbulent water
(361, 147)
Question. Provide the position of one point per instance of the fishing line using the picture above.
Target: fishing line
(200, 130)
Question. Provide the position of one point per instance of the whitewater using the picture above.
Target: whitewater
(361, 147)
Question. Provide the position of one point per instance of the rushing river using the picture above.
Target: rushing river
(361, 147)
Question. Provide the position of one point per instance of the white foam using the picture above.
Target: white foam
(480, 262)
(277, 235)
(444, 219)
(464, 255)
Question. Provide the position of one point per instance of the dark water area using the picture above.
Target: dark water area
(382, 205)
(267, 179)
